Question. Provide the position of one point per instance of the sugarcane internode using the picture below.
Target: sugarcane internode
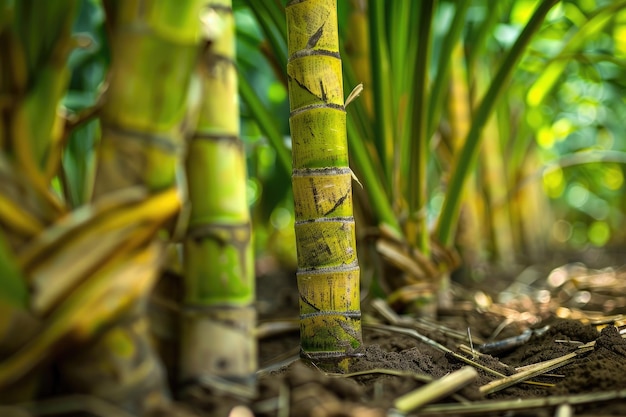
(328, 269)
(218, 341)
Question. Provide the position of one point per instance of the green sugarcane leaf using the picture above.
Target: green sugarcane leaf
(466, 159)
(550, 75)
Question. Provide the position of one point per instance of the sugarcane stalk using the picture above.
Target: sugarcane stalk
(218, 344)
(154, 48)
(328, 269)
(469, 237)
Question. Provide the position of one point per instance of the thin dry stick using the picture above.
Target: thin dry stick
(425, 324)
(413, 333)
(466, 349)
(435, 390)
(469, 351)
(491, 406)
(547, 366)
(395, 372)
(511, 380)
(581, 349)
(469, 337)
(393, 318)
(533, 370)
(284, 359)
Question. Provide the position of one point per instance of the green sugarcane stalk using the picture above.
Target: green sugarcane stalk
(218, 343)
(328, 270)
(154, 48)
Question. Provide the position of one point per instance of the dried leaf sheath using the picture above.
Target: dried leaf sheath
(328, 270)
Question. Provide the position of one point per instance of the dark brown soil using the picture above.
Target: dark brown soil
(299, 389)
(603, 369)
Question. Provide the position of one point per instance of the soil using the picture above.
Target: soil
(541, 314)
(289, 386)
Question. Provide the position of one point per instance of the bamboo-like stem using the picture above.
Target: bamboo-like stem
(154, 47)
(328, 270)
(219, 315)
(153, 51)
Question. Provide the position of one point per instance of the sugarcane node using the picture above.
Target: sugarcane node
(161, 140)
(303, 53)
(297, 172)
(218, 66)
(331, 361)
(224, 234)
(231, 140)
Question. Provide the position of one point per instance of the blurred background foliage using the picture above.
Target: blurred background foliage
(559, 126)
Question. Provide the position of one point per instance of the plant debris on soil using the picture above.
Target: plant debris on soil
(549, 343)
(589, 380)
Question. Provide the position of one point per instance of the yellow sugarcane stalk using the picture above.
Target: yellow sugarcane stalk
(469, 237)
(494, 184)
(328, 270)
(218, 346)
(154, 47)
